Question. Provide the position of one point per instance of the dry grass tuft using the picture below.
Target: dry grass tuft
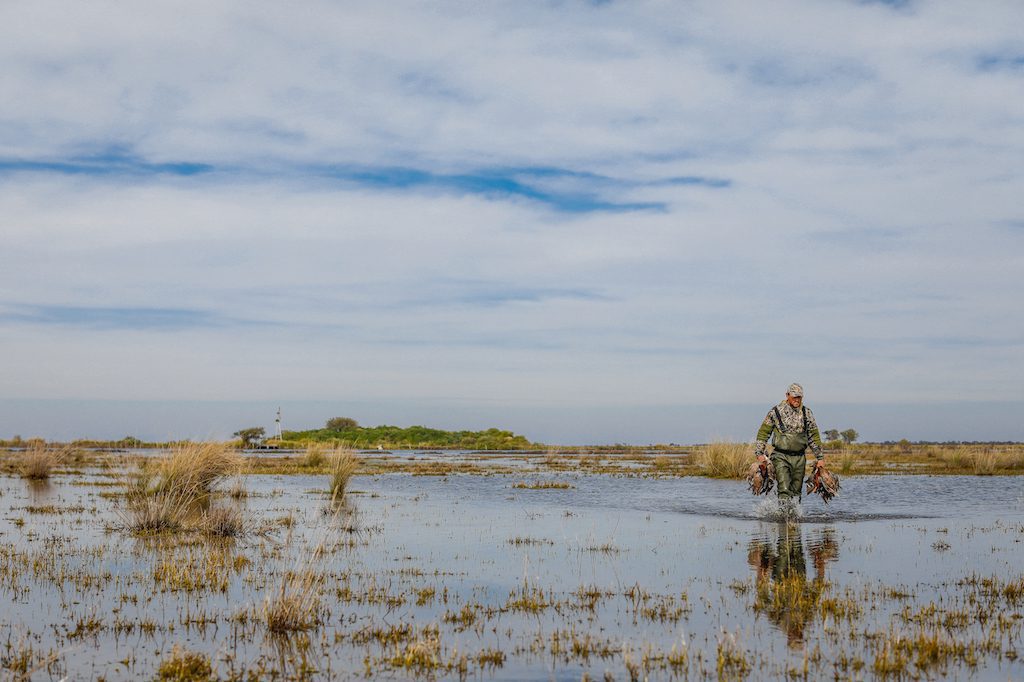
(224, 522)
(315, 457)
(296, 606)
(957, 458)
(847, 461)
(166, 494)
(724, 459)
(984, 463)
(342, 465)
(39, 461)
(184, 666)
(196, 466)
(147, 513)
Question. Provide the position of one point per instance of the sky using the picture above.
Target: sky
(586, 222)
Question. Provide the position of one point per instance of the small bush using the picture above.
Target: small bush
(723, 459)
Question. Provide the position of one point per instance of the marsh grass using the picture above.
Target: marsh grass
(164, 511)
(184, 666)
(957, 458)
(38, 462)
(171, 493)
(315, 456)
(982, 460)
(341, 465)
(237, 490)
(543, 485)
(724, 459)
(195, 466)
(847, 460)
(295, 607)
(224, 522)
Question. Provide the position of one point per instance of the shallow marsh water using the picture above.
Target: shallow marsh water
(624, 577)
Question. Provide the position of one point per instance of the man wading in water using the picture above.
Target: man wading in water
(794, 431)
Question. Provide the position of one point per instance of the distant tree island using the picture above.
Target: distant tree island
(346, 432)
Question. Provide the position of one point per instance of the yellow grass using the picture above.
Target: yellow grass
(184, 666)
(224, 522)
(315, 456)
(847, 460)
(166, 494)
(195, 466)
(296, 606)
(39, 461)
(724, 459)
(162, 511)
(341, 465)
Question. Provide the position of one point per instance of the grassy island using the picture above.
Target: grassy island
(396, 437)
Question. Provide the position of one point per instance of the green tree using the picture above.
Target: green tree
(849, 435)
(341, 424)
(251, 437)
(832, 434)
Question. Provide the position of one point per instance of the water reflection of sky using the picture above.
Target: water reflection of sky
(691, 536)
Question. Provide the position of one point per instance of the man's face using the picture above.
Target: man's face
(794, 400)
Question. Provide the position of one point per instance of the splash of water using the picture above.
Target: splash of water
(774, 509)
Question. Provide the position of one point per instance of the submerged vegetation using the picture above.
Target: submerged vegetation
(468, 576)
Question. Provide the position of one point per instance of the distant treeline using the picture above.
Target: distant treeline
(396, 437)
(121, 443)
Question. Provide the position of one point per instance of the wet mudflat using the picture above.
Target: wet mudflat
(521, 576)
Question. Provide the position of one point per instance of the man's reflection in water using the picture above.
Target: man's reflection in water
(784, 593)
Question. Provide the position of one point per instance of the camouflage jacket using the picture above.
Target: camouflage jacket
(792, 420)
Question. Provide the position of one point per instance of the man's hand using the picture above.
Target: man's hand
(820, 463)
(762, 459)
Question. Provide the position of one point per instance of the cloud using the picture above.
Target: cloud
(600, 204)
(580, 192)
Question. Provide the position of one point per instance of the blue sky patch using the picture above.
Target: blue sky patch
(104, 318)
(560, 189)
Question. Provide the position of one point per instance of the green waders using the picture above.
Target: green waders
(789, 474)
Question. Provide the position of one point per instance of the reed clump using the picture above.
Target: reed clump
(724, 459)
(315, 457)
(957, 458)
(341, 465)
(165, 495)
(196, 466)
(296, 606)
(982, 460)
(847, 461)
(224, 522)
(184, 666)
(38, 462)
(164, 511)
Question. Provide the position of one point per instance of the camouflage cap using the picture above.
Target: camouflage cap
(795, 390)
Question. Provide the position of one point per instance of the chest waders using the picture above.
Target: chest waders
(789, 458)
